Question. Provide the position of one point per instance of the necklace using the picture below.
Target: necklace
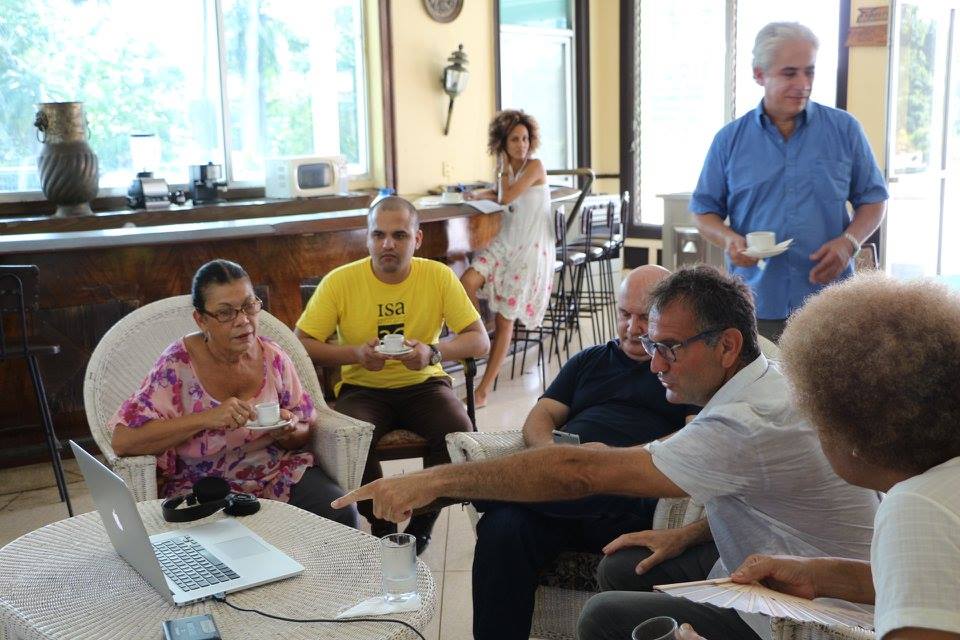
(515, 175)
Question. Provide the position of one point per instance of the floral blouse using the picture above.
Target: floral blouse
(249, 460)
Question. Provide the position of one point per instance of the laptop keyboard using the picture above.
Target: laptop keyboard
(190, 565)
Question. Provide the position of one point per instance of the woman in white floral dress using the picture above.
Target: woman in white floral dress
(515, 273)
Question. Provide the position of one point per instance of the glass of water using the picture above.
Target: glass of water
(398, 560)
(659, 628)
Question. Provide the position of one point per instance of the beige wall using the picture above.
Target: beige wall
(605, 91)
(867, 87)
(420, 50)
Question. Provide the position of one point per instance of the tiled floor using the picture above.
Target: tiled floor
(29, 500)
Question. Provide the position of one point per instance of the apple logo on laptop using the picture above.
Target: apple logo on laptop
(116, 519)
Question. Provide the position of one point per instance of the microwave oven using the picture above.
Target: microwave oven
(305, 176)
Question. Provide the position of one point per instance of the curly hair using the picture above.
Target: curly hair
(716, 300)
(873, 364)
(503, 123)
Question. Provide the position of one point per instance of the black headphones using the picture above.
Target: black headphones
(209, 495)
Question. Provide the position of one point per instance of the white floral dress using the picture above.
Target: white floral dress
(517, 267)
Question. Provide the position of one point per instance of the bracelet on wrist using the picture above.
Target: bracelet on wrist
(853, 241)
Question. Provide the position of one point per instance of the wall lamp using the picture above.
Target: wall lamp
(454, 80)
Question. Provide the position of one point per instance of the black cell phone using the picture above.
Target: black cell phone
(564, 437)
(192, 628)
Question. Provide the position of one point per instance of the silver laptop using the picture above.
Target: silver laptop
(190, 564)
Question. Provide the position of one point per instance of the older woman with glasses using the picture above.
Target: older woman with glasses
(193, 408)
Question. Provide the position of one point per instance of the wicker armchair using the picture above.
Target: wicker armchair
(131, 347)
(784, 629)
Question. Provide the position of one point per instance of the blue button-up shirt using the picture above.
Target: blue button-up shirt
(797, 188)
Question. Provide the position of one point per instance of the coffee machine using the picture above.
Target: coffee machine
(206, 183)
(147, 192)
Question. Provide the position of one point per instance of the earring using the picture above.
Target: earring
(206, 337)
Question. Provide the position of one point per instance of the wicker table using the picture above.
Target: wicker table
(66, 581)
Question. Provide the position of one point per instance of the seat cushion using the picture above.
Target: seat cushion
(573, 570)
(401, 438)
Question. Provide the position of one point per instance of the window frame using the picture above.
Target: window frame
(374, 18)
(578, 76)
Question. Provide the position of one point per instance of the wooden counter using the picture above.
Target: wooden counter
(89, 279)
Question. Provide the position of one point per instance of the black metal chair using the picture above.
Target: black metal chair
(19, 291)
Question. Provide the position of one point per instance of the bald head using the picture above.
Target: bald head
(639, 282)
(633, 303)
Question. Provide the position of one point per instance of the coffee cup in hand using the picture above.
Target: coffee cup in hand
(761, 240)
(392, 343)
(268, 413)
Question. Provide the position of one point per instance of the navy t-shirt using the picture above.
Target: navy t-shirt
(613, 399)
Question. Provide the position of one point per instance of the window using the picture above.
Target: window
(681, 96)
(687, 92)
(287, 79)
(923, 143)
(536, 72)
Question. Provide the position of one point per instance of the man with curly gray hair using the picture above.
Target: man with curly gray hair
(789, 166)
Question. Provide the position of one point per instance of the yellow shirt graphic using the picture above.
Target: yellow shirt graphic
(352, 301)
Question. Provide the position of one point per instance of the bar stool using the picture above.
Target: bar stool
(587, 290)
(602, 245)
(19, 290)
(571, 283)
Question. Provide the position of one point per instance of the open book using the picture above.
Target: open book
(755, 598)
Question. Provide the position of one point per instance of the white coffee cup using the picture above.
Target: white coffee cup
(392, 342)
(268, 413)
(761, 240)
(451, 197)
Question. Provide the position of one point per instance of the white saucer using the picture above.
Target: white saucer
(255, 426)
(379, 349)
(768, 253)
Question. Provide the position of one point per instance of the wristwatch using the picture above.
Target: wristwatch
(434, 354)
(853, 240)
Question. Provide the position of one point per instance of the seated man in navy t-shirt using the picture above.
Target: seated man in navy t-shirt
(604, 394)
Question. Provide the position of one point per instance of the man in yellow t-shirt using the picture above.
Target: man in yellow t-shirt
(391, 292)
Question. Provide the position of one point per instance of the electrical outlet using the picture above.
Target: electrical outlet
(446, 169)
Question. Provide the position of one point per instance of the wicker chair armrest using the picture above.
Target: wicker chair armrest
(139, 472)
(784, 629)
(473, 446)
(340, 446)
(673, 513)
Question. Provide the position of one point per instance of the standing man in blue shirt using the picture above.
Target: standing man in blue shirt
(789, 166)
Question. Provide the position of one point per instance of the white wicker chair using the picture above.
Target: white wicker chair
(130, 348)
